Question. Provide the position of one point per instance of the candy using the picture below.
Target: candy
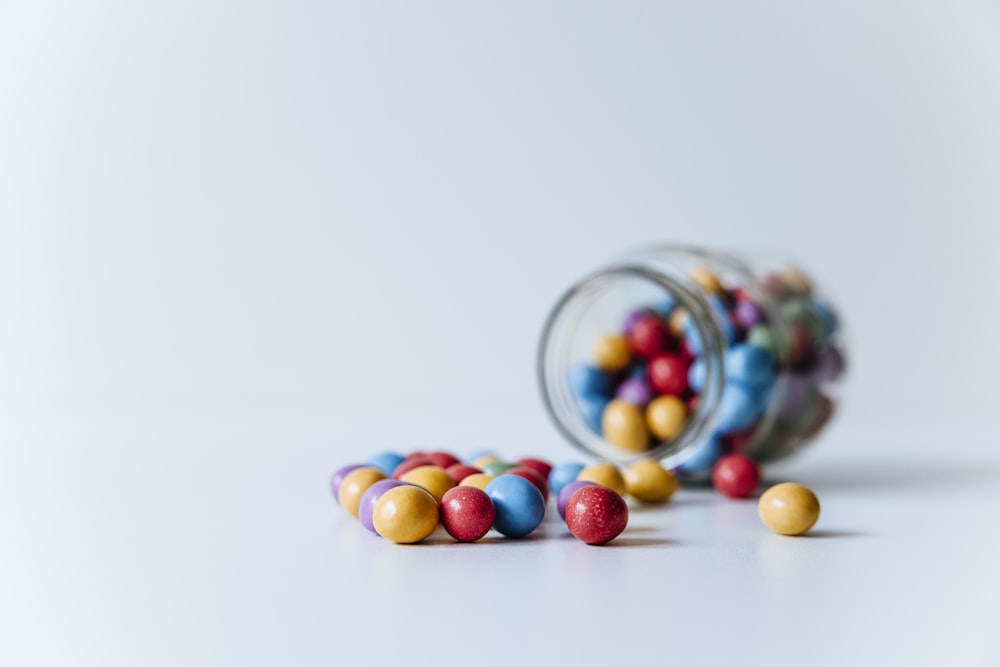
(519, 505)
(704, 278)
(355, 484)
(338, 478)
(665, 417)
(368, 499)
(498, 467)
(386, 462)
(604, 473)
(411, 462)
(649, 336)
(748, 314)
(736, 476)
(635, 390)
(611, 353)
(566, 492)
(542, 467)
(432, 478)
(737, 409)
(484, 460)
(623, 425)
(678, 321)
(532, 476)
(668, 374)
(596, 514)
(478, 454)
(467, 513)
(589, 381)
(562, 474)
(648, 481)
(460, 471)
(749, 364)
(479, 480)
(405, 514)
(788, 508)
(592, 410)
(443, 459)
(700, 459)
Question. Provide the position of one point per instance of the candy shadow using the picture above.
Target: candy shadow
(892, 476)
(629, 542)
(833, 534)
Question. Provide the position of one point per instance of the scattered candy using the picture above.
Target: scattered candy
(338, 478)
(611, 353)
(467, 513)
(596, 514)
(788, 508)
(519, 505)
(386, 462)
(532, 476)
(665, 417)
(736, 476)
(648, 481)
(563, 474)
(405, 514)
(371, 495)
(434, 479)
(566, 492)
(479, 480)
(606, 474)
(543, 468)
(460, 471)
(624, 425)
(355, 484)
(498, 467)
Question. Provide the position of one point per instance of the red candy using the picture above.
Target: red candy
(668, 374)
(532, 476)
(596, 514)
(443, 459)
(736, 476)
(467, 513)
(410, 462)
(543, 468)
(460, 471)
(648, 336)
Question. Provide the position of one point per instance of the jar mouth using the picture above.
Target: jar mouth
(595, 306)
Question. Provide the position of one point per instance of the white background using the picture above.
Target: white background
(243, 244)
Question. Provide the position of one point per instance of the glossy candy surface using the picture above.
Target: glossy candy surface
(668, 374)
(405, 514)
(606, 474)
(788, 508)
(665, 417)
(623, 425)
(566, 492)
(386, 462)
(467, 513)
(736, 476)
(338, 478)
(519, 505)
(541, 466)
(432, 478)
(648, 336)
(596, 514)
(479, 480)
(368, 499)
(355, 484)
(611, 353)
(460, 471)
(648, 481)
(532, 476)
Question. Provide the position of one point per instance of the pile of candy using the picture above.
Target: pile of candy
(405, 498)
(642, 384)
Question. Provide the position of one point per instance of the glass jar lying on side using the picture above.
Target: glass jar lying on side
(685, 355)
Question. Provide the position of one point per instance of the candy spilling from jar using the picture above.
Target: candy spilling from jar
(405, 499)
(640, 389)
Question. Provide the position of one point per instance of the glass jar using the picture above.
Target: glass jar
(684, 354)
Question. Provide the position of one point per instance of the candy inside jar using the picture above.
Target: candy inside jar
(688, 355)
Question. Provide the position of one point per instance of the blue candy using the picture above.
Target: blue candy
(750, 365)
(519, 504)
(826, 315)
(386, 462)
(696, 375)
(592, 411)
(693, 336)
(589, 381)
(665, 308)
(563, 474)
(738, 408)
(702, 458)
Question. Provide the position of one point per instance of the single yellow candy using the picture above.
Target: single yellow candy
(479, 480)
(665, 416)
(405, 514)
(796, 281)
(485, 460)
(707, 280)
(355, 485)
(623, 425)
(611, 353)
(434, 479)
(678, 320)
(649, 481)
(605, 474)
(788, 508)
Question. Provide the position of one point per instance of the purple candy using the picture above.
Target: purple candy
(797, 391)
(338, 478)
(636, 391)
(633, 317)
(566, 492)
(368, 499)
(830, 365)
(748, 314)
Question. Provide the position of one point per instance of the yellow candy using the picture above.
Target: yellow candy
(623, 425)
(665, 416)
(788, 508)
(678, 320)
(482, 461)
(605, 474)
(707, 280)
(611, 353)
(435, 479)
(648, 481)
(405, 514)
(478, 480)
(797, 281)
(354, 486)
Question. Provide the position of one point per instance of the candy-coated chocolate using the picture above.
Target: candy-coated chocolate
(460, 471)
(519, 505)
(478, 454)
(592, 411)
(411, 462)
(566, 492)
(736, 476)
(405, 514)
(748, 314)
(541, 466)
(623, 425)
(750, 365)
(649, 336)
(762, 336)
(611, 353)
(700, 459)
(589, 381)
(562, 474)
(632, 317)
(830, 365)
(338, 478)
(665, 417)
(635, 390)
(678, 321)
(368, 499)
(796, 280)
(596, 514)
(498, 467)
(386, 462)
(826, 315)
(788, 508)
(606, 474)
(484, 460)
(650, 482)
(738, 408)
(443, 459)
(355, 484)
(532, 476)
(665, 307)
(467, 513)
(479, 480)
(800, 345)
(668, 374)
(706, 279)
(434, 479)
